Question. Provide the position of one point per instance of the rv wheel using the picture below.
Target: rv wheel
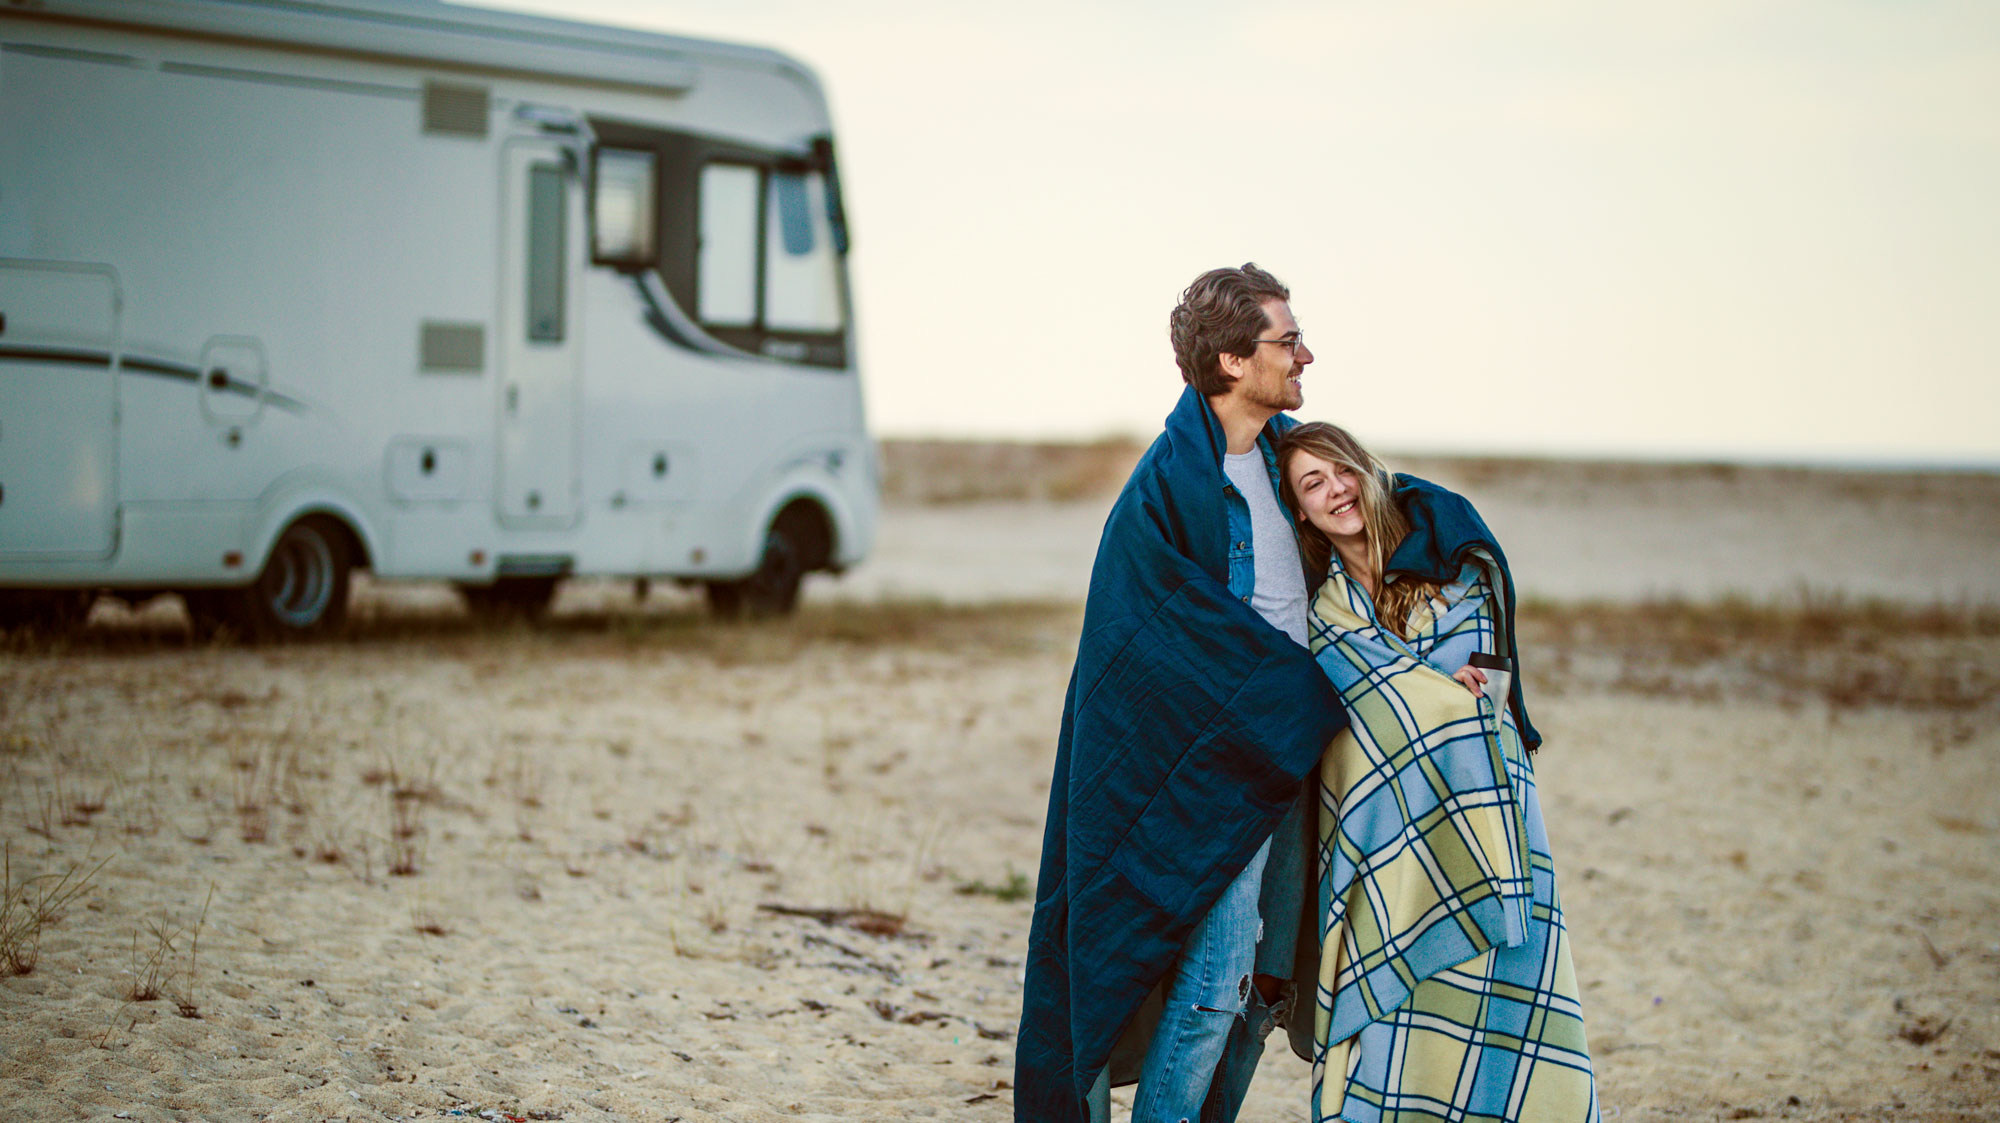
(303, 588)
(773, 589)
(524, 598)
(44, 610)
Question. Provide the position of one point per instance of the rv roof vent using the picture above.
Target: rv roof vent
(455, 110)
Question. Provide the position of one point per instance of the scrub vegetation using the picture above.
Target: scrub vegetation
(1849, 655)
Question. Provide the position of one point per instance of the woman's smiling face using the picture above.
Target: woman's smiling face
(1329, 496)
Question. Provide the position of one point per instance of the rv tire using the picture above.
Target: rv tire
(302, 589)
(770, 590)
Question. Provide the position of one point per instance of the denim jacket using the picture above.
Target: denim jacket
(1242, 566)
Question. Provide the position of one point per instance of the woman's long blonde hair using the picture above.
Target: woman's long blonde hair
(1386, 525)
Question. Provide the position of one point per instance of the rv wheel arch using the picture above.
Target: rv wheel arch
(812, 524)
(300, 591)
(798, 540)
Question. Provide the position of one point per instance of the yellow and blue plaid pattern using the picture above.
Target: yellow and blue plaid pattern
(1445, 987)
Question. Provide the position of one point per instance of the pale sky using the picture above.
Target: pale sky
(1748, 229)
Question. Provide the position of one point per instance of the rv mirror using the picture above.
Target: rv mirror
(622, 207)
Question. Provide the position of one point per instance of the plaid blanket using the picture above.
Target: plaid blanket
(1445, 986)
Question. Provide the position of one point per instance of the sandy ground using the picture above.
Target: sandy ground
(439, 867)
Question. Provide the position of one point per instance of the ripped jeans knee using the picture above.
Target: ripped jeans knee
(1211, 999)
(1235, 1009)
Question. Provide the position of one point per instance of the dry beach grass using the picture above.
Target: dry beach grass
(633, 864)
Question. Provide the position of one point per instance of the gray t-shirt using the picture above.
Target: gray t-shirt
(1280, 595)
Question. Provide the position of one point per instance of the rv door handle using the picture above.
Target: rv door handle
(513, 398)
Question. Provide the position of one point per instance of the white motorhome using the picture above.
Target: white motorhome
(293, 287)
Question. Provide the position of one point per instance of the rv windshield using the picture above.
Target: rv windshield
(801, 271)
(767, 258)
(726, 265)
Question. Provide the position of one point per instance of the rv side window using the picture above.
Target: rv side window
(622, 208)
(726, 263)
(801, 270)
(545, 253)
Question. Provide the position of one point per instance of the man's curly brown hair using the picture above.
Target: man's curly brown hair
(1220, 313)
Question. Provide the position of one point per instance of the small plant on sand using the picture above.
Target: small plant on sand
(152, 960)
(426, 921)
(409, 796)
(715, 916)
(1015, 888)
(30, 906)
(64, 803)
(138, 814)
(43, 821)
(251, 777)
(327, 846)
(406, 830)
(184, 1002)
(521, 783)
(82, 806)
(879, 876)
(156, 966)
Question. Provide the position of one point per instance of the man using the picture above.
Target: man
(1194, 711)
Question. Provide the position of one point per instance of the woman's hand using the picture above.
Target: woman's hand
(1472, 678)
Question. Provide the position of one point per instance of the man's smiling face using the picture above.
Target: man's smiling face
(1271, 377)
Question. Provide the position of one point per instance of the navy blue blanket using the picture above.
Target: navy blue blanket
(1444, 529)
(1189, 724)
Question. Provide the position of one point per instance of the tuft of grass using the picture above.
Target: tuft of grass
(157, 966)
(521, 781)
(158, 969)
(151, 967)
(261, 780)
(425, 921)
(1017, 887)
(138, 814)
(43, 821)
(32, 905)
(410, 796)
(184, 998)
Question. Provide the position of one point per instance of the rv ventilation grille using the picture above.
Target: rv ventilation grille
(455, 348)
(455, 110)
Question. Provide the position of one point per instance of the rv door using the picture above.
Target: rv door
(541, 236)
(59, 355)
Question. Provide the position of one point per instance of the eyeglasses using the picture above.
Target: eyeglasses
(1290, 342)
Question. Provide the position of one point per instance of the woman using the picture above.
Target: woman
(1445, 985)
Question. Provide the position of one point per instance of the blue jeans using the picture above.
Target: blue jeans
(1211, 1033)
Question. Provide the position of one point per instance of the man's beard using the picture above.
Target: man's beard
(1285, 397)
